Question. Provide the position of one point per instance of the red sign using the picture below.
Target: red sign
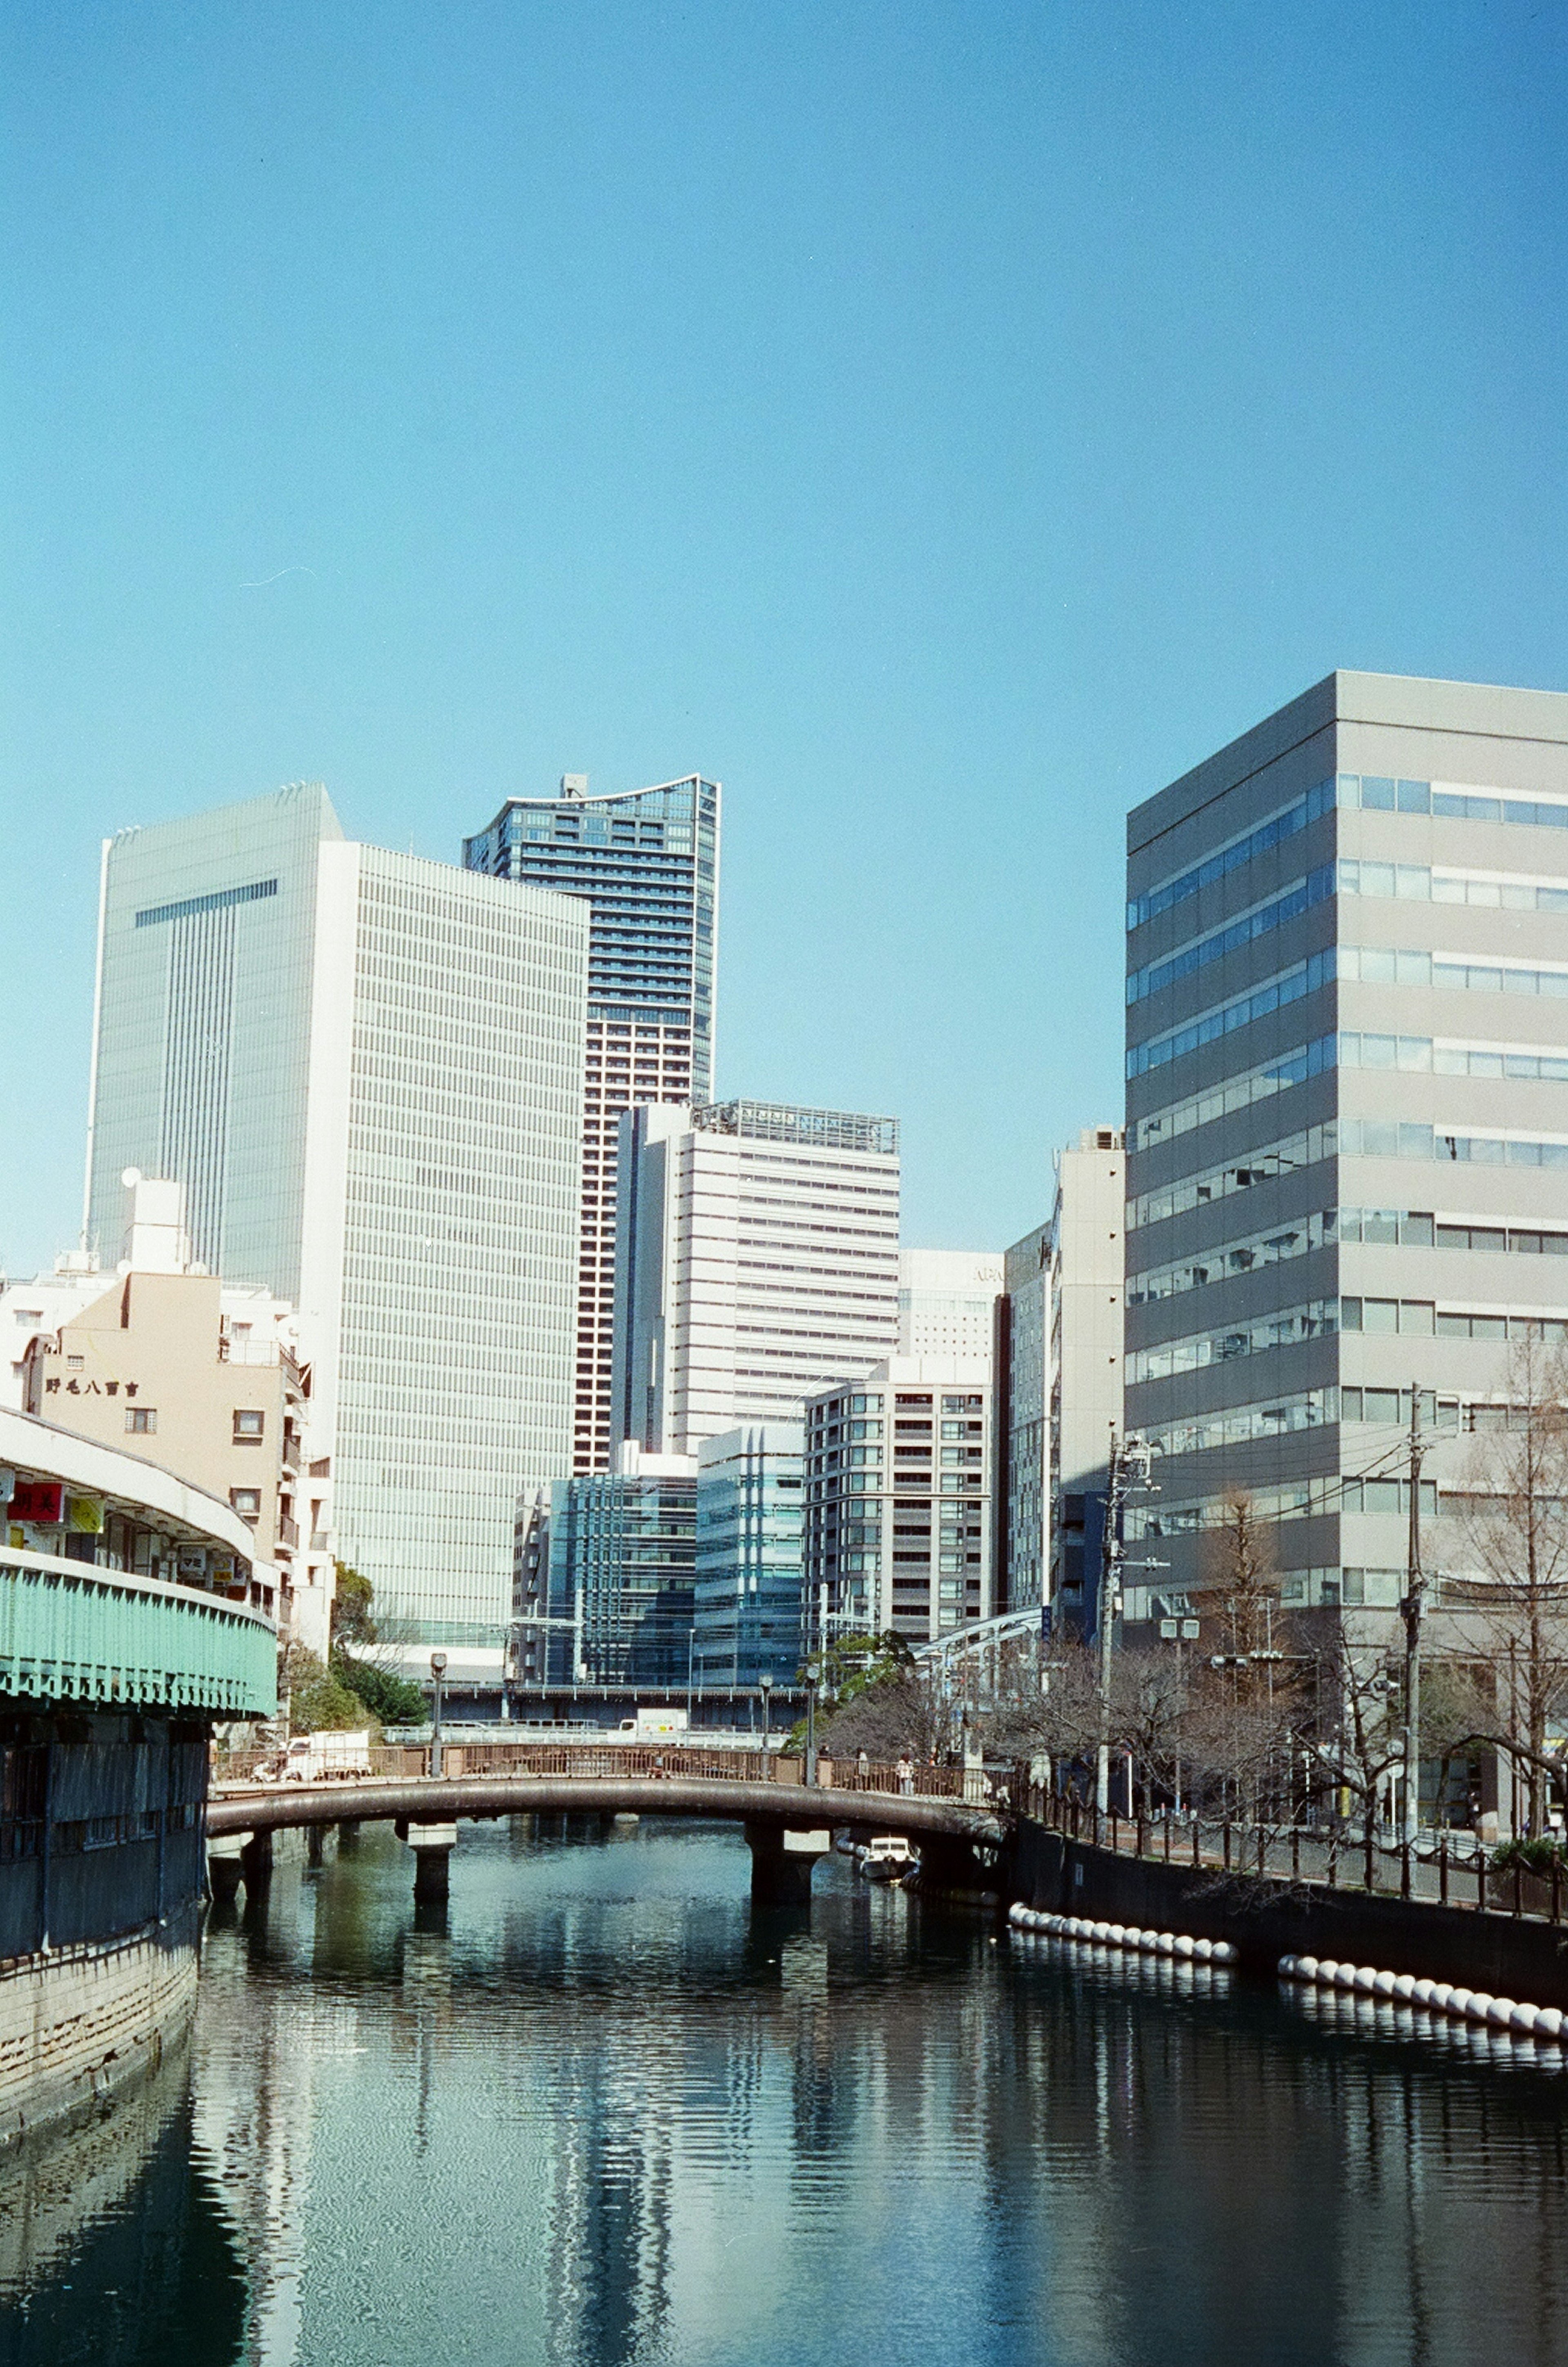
(38, 1500)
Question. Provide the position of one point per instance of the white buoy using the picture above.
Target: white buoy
(1344, 1976)
(1016, 1911)
(1421, 1994)
(1500, 2011)
(1384, 1984)
(1307, 1967)
(1404, 1988)
(1480, 2005)
(1525, 2017)
(1366, 1979)
(1183, 1944)
(1166, 1943)
(1549, 2022)
(1441, 1997)
(1286, 1968)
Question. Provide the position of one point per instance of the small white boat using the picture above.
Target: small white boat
(887, 1857)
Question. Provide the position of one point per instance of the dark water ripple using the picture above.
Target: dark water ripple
(602, 2114)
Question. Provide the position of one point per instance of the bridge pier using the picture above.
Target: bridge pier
(432, 1846)
(224, 1870)
(315, 1844)
(782, 1862)
(256, 1860)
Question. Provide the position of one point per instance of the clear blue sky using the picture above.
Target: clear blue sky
(944, 424)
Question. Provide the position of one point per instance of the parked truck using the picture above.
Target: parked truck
(315, 1757)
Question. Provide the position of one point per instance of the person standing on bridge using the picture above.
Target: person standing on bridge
(906, 1772)
(862, 1765)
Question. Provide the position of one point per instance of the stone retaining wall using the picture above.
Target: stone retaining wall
(76, 2024)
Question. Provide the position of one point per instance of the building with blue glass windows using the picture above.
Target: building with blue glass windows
(646, 861)
(602, 1581)
(1347, 1140)
(750, 1601)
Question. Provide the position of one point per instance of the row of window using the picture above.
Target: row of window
(1403, 882)
(1393, 1228)
(1231, 1094)
(1245, 930)
(1429, 1056)
(1210, 1026)
(1350, 1138)
(1420, 883)
(1321, 1318)
(1401, 966)
(1367, 792)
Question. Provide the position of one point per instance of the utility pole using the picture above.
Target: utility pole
(1412, 1608)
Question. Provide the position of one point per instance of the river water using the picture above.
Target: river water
(599, 2113)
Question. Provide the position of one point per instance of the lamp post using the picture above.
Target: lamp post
(437, 1670)
(765, 1686)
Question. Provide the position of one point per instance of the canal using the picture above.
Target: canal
(600, 2113)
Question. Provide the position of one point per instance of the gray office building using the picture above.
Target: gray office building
(1347, 1113)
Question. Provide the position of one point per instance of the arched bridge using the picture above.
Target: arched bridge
(788, 1825)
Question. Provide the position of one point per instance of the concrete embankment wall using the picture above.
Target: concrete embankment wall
(1265, 1919)
(78, 2024)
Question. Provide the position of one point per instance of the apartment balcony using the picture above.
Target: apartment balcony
(289, 1532)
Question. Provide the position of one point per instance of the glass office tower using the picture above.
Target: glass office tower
(647, 863)
(1346, 1117)
(749, 1605)
(603, 1578)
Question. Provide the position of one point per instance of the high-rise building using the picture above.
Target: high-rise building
(756, 1260)
(749, 1605)
(1022, 1400)
(602, 1590)
(899, 1500)
(947, 1302)
(646, 863)
(1346, 1112)
(367, 1070)
(1084, 1363)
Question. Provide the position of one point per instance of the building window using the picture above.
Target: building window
(141, 1420)
(246, 1501)
(248, 1425)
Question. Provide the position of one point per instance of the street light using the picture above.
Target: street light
(437, 1670)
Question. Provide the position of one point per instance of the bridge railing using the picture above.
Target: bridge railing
(1442, 1868)
(410, 1763)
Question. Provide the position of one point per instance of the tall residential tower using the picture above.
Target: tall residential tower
(646, 864)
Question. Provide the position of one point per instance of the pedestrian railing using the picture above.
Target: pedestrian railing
(408, 1762)
(1447, 1869)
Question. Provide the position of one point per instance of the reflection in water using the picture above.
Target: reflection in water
(113, 2245)
(601, 2113)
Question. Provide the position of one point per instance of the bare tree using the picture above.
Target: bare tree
(1512, 1607)
(1240, 1586)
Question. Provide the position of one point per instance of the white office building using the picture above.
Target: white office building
(367, 1070)
(757, 1260)
(947, 1302)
